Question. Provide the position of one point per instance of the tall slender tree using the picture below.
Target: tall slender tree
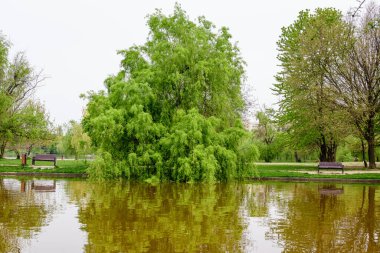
(307, 105)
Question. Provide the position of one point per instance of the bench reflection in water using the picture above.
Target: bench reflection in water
(330, 190)
(39, 185)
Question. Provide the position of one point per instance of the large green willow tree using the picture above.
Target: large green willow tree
(174, 110)
(308, 105)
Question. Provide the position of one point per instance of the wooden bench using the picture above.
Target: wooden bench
(330, 165)
(45, 157)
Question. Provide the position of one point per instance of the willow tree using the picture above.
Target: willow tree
(308, 105)
(169, 110)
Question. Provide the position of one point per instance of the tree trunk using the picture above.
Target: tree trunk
(296, 157)
(363, 155)
(371, 141)
(331, 152)
(327, 151)
(370, 219)
(323, 152)
(2, 149)
(371, 153)
(29, 149)
(17, 154)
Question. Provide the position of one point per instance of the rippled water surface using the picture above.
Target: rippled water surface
(80, 216)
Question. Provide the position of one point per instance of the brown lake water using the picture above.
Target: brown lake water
(81, 216)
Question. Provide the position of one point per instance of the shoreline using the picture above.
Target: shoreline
(317, 179)
(253, 179)
(44, 174)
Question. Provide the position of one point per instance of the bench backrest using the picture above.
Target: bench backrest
(50, 157)
(330, 164)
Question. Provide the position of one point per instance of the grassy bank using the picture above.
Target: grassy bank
(274, 170)
(63, 166)
(263, 170)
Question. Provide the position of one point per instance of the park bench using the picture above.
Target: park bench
(330, 165)
(45, 157)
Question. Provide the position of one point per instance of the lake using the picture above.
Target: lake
(43, 215)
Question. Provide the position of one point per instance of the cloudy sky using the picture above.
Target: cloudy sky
(74, 42)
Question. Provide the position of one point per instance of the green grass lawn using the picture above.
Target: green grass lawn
(63, 166)
(300, 171)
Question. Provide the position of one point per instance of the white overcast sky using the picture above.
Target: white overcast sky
(75, 41)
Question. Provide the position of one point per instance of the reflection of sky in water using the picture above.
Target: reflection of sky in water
(265, 210)
(255, 236)
(62, 232)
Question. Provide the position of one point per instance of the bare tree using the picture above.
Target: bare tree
(355, 75)
(21, 81)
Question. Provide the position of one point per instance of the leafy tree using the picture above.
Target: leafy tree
(266, 133)
(308, 105)
(21, 118)
(31, 127)
(173, 112)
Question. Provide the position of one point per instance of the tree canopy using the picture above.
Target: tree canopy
(187, 65)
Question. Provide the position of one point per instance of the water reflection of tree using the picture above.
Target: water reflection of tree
(314, 222)
(20, 217)
(129, 217)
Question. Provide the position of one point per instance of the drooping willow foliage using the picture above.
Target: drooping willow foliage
(173, 112)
